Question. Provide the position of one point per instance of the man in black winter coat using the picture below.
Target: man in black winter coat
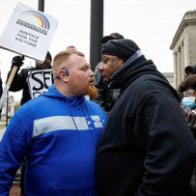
(147, 148)
(32, 81)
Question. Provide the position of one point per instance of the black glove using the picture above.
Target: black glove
(17, 61)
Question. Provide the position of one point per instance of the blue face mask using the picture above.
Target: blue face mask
(189, 102)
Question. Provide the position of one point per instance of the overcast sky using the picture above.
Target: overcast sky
(150, 23)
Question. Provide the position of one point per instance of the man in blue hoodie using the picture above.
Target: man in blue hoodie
(58, 133)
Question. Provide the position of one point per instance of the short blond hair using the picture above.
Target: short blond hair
(61, 57)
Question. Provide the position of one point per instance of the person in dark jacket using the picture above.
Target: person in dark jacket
(147, 147)
(32, 81)
(187, 93)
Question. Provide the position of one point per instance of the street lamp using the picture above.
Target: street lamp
(41, 5)
(96, 31)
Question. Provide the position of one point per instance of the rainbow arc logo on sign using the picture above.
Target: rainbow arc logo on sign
(36, 18)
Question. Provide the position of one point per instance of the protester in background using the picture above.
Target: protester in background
(147, 147)
(187, 93)
(33, 81)
(112, 36)
(107, 97)
(71, 48)
(58, 132)
(189, 70)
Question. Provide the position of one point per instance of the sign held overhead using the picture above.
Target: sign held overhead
(29, 32)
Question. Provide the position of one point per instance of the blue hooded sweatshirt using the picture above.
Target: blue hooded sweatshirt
(58, 135)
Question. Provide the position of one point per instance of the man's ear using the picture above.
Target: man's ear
(66, 75)
(66, 72)
(63, 75)
(121, 62)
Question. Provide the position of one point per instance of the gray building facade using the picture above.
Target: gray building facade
(184, 45)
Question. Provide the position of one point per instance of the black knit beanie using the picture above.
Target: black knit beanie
(122, 48)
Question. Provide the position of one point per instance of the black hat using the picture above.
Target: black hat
(111, 36)
(122, 48)
(48, 55)
(191, 69)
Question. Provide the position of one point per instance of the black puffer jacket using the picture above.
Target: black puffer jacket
(147, 148)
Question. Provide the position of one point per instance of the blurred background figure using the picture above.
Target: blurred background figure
(71, 48)
(191, 69)
(187, 93)
(111, 37)
(32, 81)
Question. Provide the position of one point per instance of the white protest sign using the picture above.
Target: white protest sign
(39, 81)
(28, 32)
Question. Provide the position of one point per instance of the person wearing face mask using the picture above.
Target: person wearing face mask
(189, 102)
(187, 94)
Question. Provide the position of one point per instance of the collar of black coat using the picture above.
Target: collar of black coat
(134, 67)
(131, 59)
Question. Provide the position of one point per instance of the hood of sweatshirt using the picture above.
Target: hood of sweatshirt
(71, 100)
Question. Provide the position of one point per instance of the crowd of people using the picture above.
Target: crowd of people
(134, 135)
